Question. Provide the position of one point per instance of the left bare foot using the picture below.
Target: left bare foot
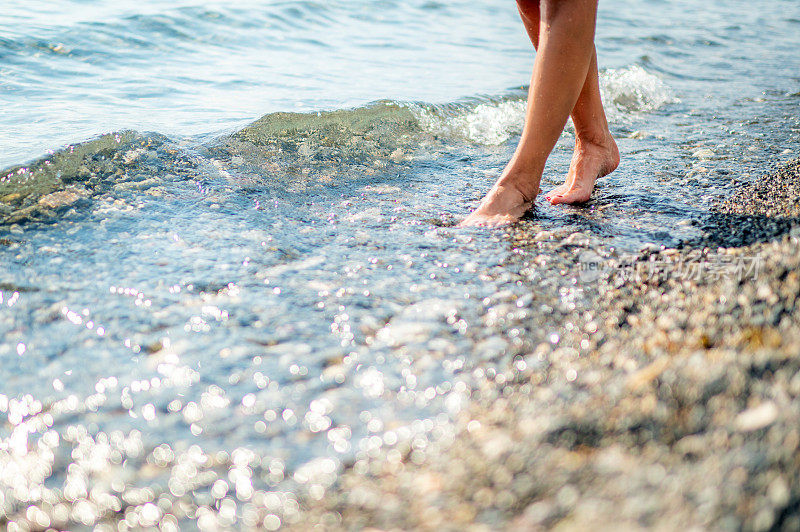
(590, 161)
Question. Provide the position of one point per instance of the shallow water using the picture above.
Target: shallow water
(221, 314)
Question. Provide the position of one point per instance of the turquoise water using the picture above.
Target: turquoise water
(74, 69)
(229, 266)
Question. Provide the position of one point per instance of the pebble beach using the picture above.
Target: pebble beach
(234, 293)
(673, 403)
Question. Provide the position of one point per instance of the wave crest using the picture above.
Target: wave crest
(626, 93)
(298, 151)
(633, 90)
(33, 191)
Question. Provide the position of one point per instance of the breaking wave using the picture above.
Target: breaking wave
(295, 151)
(626, 92)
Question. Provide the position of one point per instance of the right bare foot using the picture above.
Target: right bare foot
(503, 204)
(590, 161)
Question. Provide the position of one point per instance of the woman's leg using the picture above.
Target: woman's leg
(566, 48)
(596, 153)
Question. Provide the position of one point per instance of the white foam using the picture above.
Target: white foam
(625, 91)
(633, 90)
(490, 123)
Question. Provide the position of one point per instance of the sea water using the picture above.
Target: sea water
(228, 261)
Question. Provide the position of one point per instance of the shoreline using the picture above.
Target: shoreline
(674, 401)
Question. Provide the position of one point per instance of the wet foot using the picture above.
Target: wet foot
(590, 161)
(504, 204)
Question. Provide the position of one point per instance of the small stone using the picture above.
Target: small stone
(62, 198)
(138, 185)
(703, 153)
(758, 417)
(778, 493)
(131, 156)
(648, 374)
(14, 197)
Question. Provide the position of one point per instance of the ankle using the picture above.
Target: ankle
(526, 184)
(601, 138)
(523, 174)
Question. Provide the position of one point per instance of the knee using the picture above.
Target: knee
(529, 8)
(550, 9)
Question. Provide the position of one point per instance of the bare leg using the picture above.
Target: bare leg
(596, 153)
(564, 29)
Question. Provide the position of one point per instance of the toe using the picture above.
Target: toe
(469, 221)
(559, 190)
(572, 196)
